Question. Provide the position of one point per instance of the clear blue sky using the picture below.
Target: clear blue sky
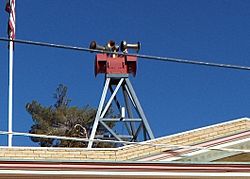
(175, 97)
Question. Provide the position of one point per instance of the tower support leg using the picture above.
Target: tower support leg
(99, 110)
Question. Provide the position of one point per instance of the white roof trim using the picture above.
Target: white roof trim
(110, 173)
(199, 129)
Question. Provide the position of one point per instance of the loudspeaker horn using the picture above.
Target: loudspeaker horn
(124, 46)
(111, 46)
(95, 46)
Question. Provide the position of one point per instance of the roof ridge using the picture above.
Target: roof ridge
(201, 128)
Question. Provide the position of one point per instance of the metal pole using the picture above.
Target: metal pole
(139, 108)
(10, 97)
(97, 118)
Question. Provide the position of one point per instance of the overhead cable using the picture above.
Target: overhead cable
(148, 57)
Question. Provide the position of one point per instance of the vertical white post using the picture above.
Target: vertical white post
(123, 112)
(10, 100)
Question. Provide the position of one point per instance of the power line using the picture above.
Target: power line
(147, 57)
(29, 42)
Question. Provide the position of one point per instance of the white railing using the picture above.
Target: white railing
(148, 143)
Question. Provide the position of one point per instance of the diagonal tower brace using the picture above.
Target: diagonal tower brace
(134, 125)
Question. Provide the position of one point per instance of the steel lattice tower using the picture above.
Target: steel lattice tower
(131, 115)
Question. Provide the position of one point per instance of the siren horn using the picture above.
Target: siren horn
(111, 46)
(124, 46)
(95, 46)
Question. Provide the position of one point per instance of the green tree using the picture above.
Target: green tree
(62, 120)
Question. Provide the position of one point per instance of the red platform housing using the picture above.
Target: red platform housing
(115, 65)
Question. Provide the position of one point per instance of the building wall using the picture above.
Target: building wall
(131, 152)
